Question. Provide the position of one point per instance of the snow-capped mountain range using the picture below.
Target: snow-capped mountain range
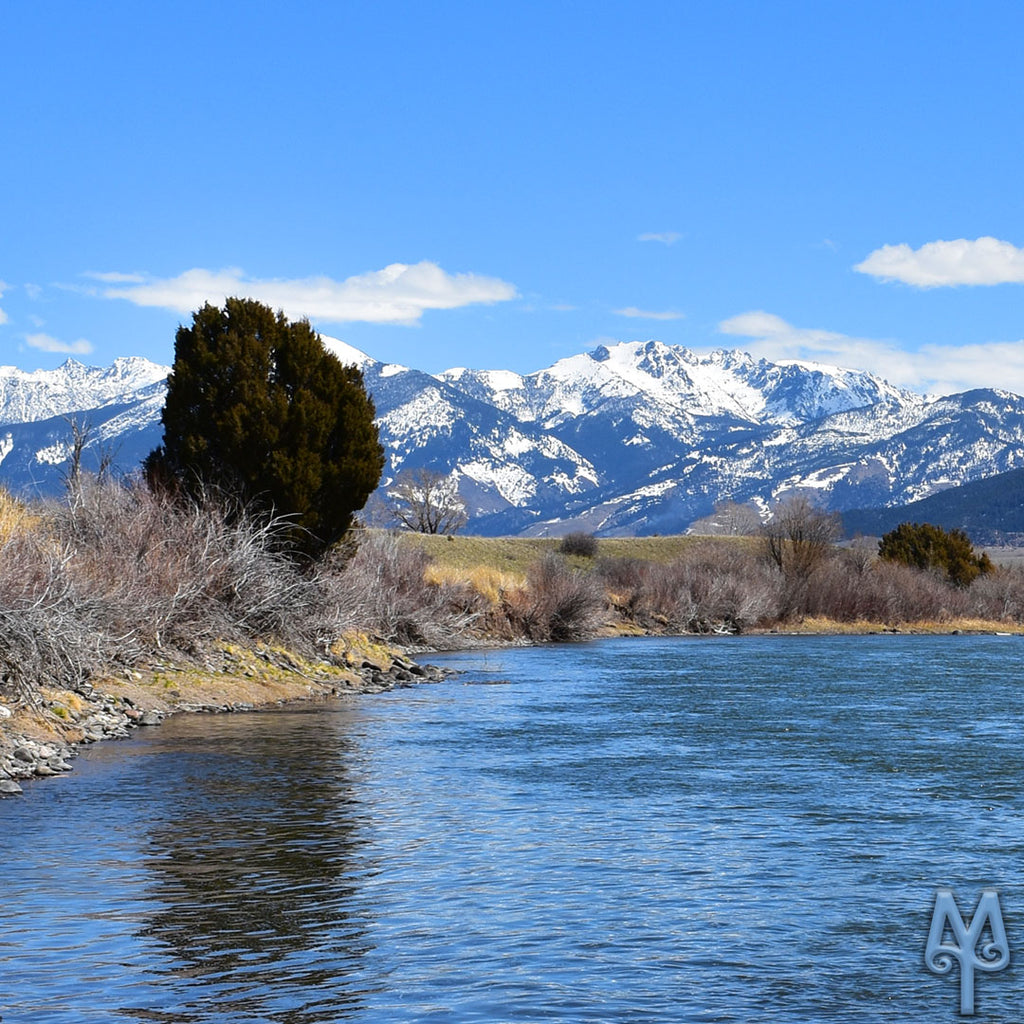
(637, 437)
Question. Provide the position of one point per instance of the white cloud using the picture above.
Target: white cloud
(3, 287)
(114, 277)
(398, 294)
(942, 264)
(46, 343)
(648, 314)
(932, 369)
(665, 237)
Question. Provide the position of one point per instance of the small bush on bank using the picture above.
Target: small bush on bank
(582, 544)
(558, 603)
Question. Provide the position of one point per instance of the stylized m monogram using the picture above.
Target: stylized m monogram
(967, 946)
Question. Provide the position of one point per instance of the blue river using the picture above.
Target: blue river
(665, 830)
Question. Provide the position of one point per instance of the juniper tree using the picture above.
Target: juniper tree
(259, 412)
(925, 546)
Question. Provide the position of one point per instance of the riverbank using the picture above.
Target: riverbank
(40, 738)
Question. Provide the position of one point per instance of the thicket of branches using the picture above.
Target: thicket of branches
(719, 585)
(115, 574)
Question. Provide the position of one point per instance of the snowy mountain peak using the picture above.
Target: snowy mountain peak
(29, 396)
(348, 354)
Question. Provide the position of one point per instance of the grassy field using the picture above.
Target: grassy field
(514, 555)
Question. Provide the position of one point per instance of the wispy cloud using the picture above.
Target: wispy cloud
(114, 277)
(46, 343)
(3, 287)
(649, 314)
(665, 237)
(983, 261)
(398, 294)
(932, 369)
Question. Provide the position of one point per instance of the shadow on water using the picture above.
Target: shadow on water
(254, 865)
(254, 868)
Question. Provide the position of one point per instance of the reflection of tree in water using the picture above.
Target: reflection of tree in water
(256, 868)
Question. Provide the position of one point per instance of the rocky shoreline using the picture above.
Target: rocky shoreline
(40, 739)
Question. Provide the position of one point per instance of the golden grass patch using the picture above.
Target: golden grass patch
(488, 582)
(819, 625)
(513, 556)
(14, 517)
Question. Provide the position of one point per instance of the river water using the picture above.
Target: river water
(729, 829)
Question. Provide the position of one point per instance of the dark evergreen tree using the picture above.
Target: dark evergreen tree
(260, 412)
(925, 546)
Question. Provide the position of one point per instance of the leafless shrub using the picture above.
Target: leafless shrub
(717, 585)
(177, 573)
(836, 590)
(46, 635)
(383, 589)
(558, 603)
(998, 595)
(902, 594)
(724, 586)
(625, 585)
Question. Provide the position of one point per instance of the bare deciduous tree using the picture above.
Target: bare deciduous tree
(427, 502)
(731, 519)
(799, 535)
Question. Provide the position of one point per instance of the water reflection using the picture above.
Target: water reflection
(254, 875)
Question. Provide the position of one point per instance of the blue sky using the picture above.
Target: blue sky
(501, 185)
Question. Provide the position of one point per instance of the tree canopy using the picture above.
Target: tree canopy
(260, 412)
(925, 546)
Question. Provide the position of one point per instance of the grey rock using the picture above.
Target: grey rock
(8, 787)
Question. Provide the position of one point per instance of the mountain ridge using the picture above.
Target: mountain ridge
(634, 437)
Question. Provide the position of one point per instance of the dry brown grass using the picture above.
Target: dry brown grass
(15, 518)
(819, 624)
(490, 583)
(515, 555)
